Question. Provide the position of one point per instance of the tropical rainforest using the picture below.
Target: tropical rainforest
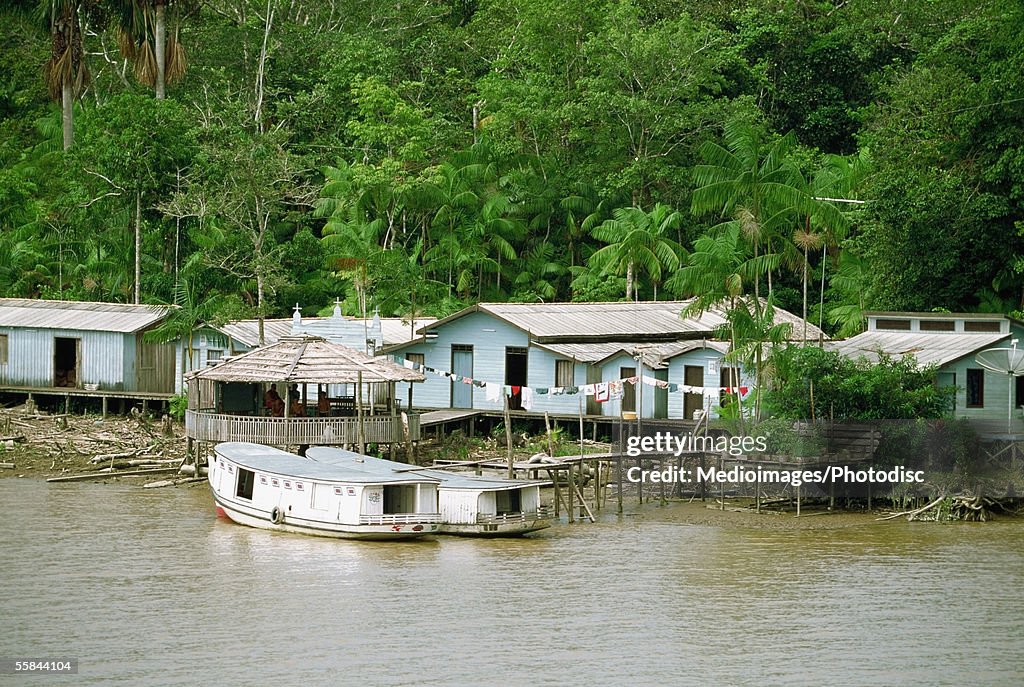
(237, 157)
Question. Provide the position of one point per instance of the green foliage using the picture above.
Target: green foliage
(177, 407)
(814, 383)
(518, 149)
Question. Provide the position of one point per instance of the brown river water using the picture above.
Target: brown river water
(148, 587)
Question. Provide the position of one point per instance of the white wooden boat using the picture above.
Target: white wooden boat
(265, 487)
(470, 505)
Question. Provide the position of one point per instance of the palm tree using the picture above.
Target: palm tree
(638, 240)
(158, 58)
(720, 272)
(750, 182)
(65, 72)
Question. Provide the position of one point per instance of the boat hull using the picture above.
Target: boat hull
(505, 529)
(257, 518)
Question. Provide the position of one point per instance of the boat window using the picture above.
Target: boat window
(509, 501)
(246, 480)
(399, 499)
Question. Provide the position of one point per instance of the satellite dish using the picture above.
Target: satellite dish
(1004, 361)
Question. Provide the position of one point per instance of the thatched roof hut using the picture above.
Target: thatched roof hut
(307, 360)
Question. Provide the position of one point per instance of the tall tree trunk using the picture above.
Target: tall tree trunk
(259, 302)
(805, 295)
(261, 70)
(160, 31)
(138, 247)
(629, 281)
(67, 102)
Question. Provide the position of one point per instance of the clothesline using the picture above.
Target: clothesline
(602, 391)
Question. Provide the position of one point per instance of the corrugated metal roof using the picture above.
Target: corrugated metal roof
(308, 359)
(548, 322)
(928, 348)
(82, 315)
(397, 330)
(394, 330)
(247, 332)
(655, 354)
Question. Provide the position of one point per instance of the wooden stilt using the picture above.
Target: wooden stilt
(571, 489)
(104, 415)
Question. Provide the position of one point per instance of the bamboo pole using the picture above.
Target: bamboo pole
(359, 412)
(508, 438)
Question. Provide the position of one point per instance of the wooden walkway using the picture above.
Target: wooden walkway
(441, 417)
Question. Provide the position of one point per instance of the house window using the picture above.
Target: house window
(3, 349)
(564, 373)
(974, 326)
(975, 388)
(937, 325)
(246, 480)
(417, 358)
(893, 325)
(214, 354)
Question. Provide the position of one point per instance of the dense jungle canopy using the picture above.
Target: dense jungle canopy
(239, 156)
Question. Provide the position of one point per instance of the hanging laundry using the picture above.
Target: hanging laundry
(601, 393)
(541, 390)
(467, 380)
(632, 380)
(587, 389)
(649, 381)
(527, 401)
(615, 390)
(409, 364)
(557, 390)
(572, 389)
(492, 392)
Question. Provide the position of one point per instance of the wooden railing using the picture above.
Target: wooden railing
(400, 519)
(539, 514)
(279, 431)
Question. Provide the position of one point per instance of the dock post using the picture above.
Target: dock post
(104, 408)
(619, 461)
(145, 406)
(757, 490)
(721, 489)
(597, 485)
(67, 404)
(572, 489)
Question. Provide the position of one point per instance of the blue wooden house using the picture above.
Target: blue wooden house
(950, 341)
(558, 350)
(83, 348)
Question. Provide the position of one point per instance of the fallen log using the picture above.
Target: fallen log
(7, 466)
(106, 475)
(114, 456)
(172, 482)
(912, 513)
(20, 438)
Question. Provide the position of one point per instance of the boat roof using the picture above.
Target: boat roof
(449, 480)
(275, 461)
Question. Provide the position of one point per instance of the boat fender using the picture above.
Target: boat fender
(277, 516)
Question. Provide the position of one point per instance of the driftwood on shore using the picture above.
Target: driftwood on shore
(971, 507)
(72, 444)
(107, 475)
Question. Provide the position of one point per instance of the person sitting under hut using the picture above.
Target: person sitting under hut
(295, 407)
(273, 402)
(323, 402)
